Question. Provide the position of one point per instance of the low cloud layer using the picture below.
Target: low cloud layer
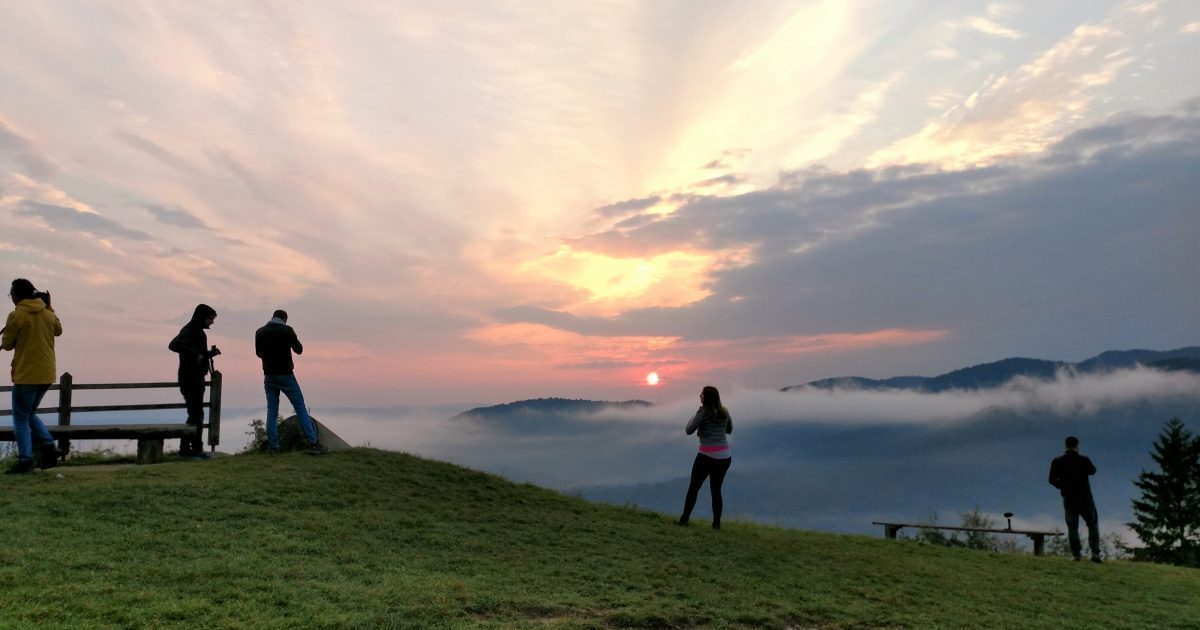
(641, 445)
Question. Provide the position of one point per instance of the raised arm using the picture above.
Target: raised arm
(297, 347)
(10, 333)
(694, 423)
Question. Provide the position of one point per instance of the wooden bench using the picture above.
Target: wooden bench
(1039, 538)
(149, 436)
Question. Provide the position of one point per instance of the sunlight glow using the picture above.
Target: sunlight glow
(652, 378)
(611, 285)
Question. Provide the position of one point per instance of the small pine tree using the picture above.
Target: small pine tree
(1167, 517)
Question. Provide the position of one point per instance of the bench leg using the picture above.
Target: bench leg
(889, 531)
(150, 451)
(1039, 544)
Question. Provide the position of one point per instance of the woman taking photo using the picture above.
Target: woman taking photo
(712, 423)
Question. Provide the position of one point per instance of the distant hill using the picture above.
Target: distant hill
(535, 416)
(552, 406)
(988, 375)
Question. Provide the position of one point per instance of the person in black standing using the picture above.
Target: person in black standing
(1069, 473)
(274, 343)
(195, 361)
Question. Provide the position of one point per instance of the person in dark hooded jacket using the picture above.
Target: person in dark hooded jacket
(195, 358)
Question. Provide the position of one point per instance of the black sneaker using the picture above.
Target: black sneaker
(49, 456)
(317, 449)
(201, 456)
(22, 467)
(1097, 560)
(716, 524)
(272, 450)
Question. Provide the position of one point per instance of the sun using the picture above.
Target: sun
(652, 378)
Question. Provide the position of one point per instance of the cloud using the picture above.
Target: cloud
(984, 253)
(988, 27)
(722, 180)
(177, 217)
(629, 205)
(647, 443)
(154, 150)
(1024, 110)
(90, 223)
(33, 161)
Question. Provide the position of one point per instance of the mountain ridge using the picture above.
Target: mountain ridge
(996, 373)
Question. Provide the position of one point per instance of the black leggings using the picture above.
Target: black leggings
(713, 469)
(193, 397)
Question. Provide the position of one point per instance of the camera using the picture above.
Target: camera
(43, 296)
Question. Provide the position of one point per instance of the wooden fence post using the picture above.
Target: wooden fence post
(64, 407)
(214, 411)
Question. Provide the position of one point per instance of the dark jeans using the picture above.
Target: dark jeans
(25, 401)
(193, 397)
(705, 467)
(286, 383)
(1085, 508)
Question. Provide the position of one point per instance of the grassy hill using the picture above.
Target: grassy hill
(377, 539)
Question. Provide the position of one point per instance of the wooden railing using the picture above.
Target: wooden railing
(66, 387)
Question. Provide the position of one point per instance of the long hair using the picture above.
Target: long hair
(710, 399)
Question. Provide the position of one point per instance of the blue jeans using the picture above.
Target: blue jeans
(286, 383)
(1073, 509)
(25, 401)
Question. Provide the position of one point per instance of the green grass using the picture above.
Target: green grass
(377, 539)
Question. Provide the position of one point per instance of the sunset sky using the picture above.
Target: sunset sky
(496, 200)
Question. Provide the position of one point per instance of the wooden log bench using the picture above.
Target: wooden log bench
(1039, 538)
(149, 436)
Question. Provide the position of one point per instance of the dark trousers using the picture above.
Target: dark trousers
(705, 467)
(193, 397)
(1085, 508)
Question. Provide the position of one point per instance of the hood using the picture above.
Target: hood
(32, 305)
(202, 313)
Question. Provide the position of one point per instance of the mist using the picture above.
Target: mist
(640, 445)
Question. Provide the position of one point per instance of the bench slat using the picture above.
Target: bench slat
(112, 431)
(966, 529)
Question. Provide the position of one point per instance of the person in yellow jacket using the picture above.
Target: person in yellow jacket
(30, 332)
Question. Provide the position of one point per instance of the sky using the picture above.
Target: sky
(492, 201)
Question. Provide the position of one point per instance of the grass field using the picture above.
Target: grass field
(376, 539)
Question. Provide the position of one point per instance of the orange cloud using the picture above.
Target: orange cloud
(541, 343)
(615, 284)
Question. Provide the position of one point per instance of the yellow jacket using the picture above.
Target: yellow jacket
(30, 330)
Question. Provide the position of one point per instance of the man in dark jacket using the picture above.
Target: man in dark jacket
(1069, 473)
(274, 344)
(195, 358)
